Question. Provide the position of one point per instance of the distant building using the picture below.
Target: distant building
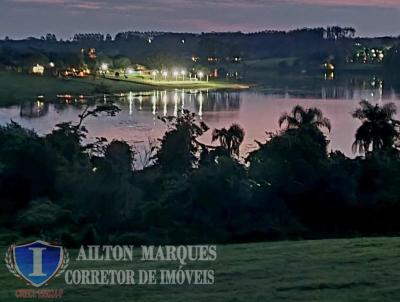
(72, 72)
(38, 69)
(137, 69)
(92, 53)
(215, 73)
(213, 59)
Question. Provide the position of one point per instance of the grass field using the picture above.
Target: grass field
(179, 83)
(18, 87)
(15, 87)
(348, 270)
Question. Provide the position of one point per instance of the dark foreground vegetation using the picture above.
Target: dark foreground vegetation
(59, 187)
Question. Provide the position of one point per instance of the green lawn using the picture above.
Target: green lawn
(187, 84)
(16, 87)
(325, 270)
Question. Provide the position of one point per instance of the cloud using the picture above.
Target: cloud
(40, 1)
(71, 3)
(346, 3)
(179, 4)
(89, 5)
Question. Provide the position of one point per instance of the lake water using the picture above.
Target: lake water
(256, 111)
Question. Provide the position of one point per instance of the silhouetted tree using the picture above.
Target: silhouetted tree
(230, 139)
(379, 130)
(304, 118)
(120, 155)
(179, 145)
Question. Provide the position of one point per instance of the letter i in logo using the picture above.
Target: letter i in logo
(37, 262)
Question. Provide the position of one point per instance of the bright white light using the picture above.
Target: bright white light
(154, 73)
(38, 69)
(104, 66)
(183, 72)
(129, 71)
(52, 64)
(175, 73)
(201, 75)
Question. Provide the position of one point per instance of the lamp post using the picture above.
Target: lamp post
(176, 75)
(154, 73)
(201, 75)
(104, 67)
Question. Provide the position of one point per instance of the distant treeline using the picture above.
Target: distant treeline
(334, 32)
(299, 50)
(58, 187)
(309, 43)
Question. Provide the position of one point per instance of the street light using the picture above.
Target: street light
(154, 73)
(176, 75)
(201, 75)
(183, 73)
(104, 67)
(165, 74)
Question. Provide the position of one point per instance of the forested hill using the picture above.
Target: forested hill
(140, 45)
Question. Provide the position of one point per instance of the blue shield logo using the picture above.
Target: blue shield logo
(38, 262)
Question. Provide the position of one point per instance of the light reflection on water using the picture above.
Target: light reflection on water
(256, 112)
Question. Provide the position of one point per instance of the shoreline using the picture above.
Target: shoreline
(20, 87)
(180, 84)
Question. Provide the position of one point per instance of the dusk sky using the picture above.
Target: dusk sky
(22, 18)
